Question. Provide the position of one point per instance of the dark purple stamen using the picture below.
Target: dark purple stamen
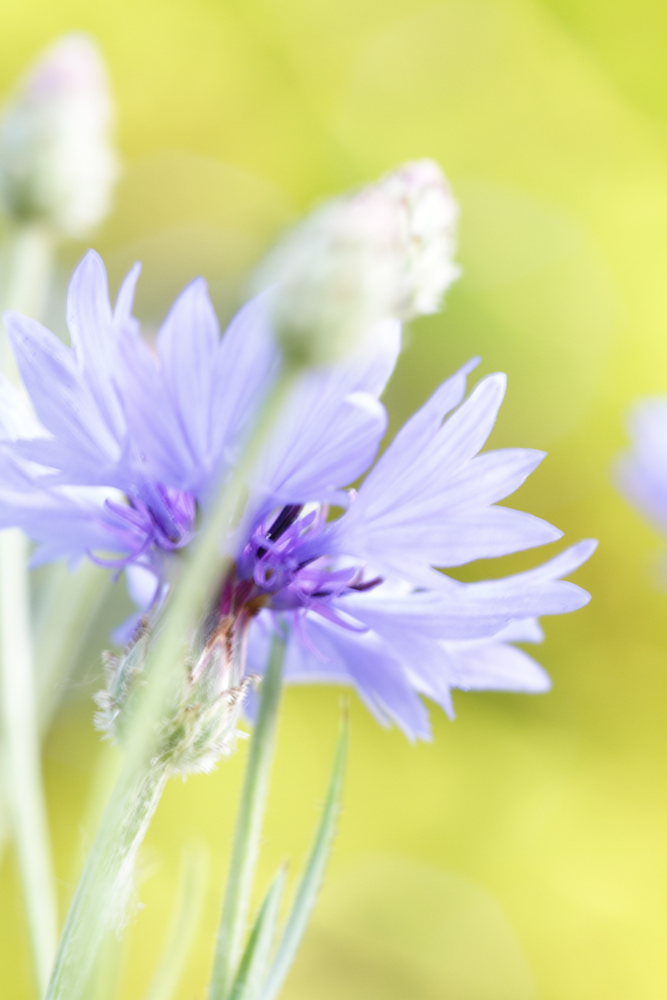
(285, 520)
(285, 567)
(367, 584)
(156, 515)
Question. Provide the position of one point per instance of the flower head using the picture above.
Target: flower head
(132, 445)
(57, 164)
(385, 251)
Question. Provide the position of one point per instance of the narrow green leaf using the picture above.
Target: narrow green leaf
(313, 875)
(187, 911)
(252, 969)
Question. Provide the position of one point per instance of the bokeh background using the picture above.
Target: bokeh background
(523, 853)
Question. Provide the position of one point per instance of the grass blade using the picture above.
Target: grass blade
(313, 875)
(256, 956)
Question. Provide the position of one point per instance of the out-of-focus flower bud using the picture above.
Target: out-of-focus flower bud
(57, 164)
(428, 214)
(385, 251)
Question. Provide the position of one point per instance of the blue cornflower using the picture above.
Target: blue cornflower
(642, 472)
(128, 444)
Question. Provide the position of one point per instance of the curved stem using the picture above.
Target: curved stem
(229, 943)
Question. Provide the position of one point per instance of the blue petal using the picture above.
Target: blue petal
(187, 346)
(189, 413)
(91, 330)
(496, 666)
(428, 501)
(324, 441)
(331, 429)
(58, 393)
(246, 365)
(73, 391)
(332, 655)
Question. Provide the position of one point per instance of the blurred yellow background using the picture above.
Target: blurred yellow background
(522, 854)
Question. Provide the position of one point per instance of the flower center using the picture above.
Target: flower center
(285, 567)
(156, 515)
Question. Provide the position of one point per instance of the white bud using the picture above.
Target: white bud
(428, 213)
(57, 164)
(385, 251)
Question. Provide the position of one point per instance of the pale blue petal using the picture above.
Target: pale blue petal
(187, 346)
(332, 427)
(428, 501)
(246, 364)
(323, 442)
(157, 433)
(122, 314)
(331, 655)
(82, 441)
(495, 666)
(550, 572)
(89, 322)
(528, 630)
(426, 451)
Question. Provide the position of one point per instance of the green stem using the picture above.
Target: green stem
(27, 270)
(229, 944)
(203, 570)
(105, 886)
(20, 754)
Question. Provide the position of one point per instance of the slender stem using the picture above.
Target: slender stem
(203, 570)
(20, 754)
(106, 884)
(27, 270)
(229, 943)
(70, 605)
